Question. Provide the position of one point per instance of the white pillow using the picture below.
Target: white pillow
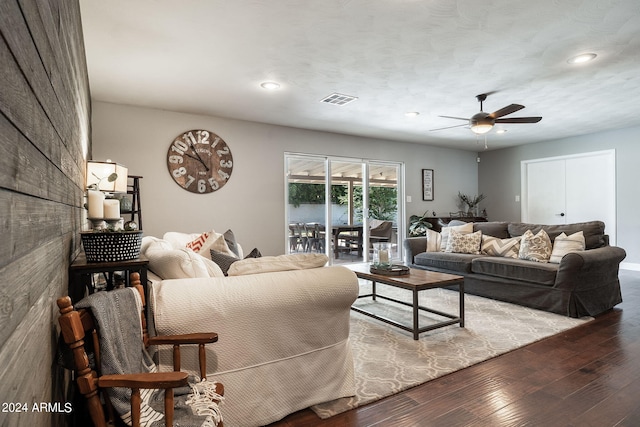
(268, 264)
(150, 241)
(444, 233)
(170, 263)
(564, 244)
(434, 240)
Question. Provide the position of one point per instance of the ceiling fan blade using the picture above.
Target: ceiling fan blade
(506, 110)
(457, 118)
(449, 127)
(520, 120)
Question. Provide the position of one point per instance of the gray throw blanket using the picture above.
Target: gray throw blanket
(117, 314)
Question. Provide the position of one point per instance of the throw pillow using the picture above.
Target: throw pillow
(230, 239)
(224, 261)
(180, 264)
(564, 244)
(216, 242)
(444, 233)
(434, 241)
(535, 247)
(464, 243)
(507, 248)
(196, 245)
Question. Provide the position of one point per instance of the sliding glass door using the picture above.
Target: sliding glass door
(340, 206)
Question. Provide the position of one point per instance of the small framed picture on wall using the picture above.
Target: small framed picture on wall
(427, 184)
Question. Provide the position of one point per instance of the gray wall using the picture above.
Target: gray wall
(499, 179)
(252, 202)
(44, 137)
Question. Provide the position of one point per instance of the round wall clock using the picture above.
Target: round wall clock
(200, 161)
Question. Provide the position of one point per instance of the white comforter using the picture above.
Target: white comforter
(283, 337)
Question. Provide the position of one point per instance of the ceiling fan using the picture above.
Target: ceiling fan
(483, 122)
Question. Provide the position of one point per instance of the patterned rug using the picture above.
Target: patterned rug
(388, 360)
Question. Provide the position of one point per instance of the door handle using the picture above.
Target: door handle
(560, 214)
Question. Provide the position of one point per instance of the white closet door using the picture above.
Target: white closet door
(544, 192)
(571, 189)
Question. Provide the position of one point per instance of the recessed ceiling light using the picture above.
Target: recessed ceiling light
(412, 113)
(270, 85)
(581, 59)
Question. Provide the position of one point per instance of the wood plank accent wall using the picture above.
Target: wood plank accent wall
(44, 140)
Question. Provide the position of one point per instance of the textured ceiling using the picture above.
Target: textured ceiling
(431, 56)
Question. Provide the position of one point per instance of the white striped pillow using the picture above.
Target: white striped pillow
(564, 244)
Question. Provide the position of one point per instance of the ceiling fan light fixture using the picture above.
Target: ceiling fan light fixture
(480, 128)
(481, 123)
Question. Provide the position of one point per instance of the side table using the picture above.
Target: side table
(81, 271)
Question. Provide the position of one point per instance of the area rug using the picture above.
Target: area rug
(388, 360)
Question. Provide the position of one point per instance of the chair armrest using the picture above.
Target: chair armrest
(145, 380)
(196, 338)
(200, 338)
(414, 246)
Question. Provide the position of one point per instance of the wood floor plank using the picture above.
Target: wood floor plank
(587, 376)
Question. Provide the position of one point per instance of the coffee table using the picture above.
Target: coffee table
(417, 280)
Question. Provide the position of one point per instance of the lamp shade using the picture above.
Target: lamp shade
(98, 173)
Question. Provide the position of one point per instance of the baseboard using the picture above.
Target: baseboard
(633, 266)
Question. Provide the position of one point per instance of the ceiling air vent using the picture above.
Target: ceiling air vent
(338, 99)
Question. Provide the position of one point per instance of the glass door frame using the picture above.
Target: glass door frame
(328, 162)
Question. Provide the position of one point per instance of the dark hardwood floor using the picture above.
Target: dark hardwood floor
(587, 376)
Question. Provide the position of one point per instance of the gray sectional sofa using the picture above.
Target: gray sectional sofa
(584, 283)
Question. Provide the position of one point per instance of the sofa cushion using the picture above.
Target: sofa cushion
(464, 243)
(493, 246)
(270, 264)
(565, 244)
(460, 263)
(494, 228)
(535, 247)
(593, 231)
(516, 269)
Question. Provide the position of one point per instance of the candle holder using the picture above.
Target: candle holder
(113, 222)
(97, 223)
(381, 256)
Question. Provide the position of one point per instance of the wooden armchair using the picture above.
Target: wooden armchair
(78, 325)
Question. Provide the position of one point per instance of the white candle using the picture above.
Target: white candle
(112, 208)
(96, 204)
(384, 257)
